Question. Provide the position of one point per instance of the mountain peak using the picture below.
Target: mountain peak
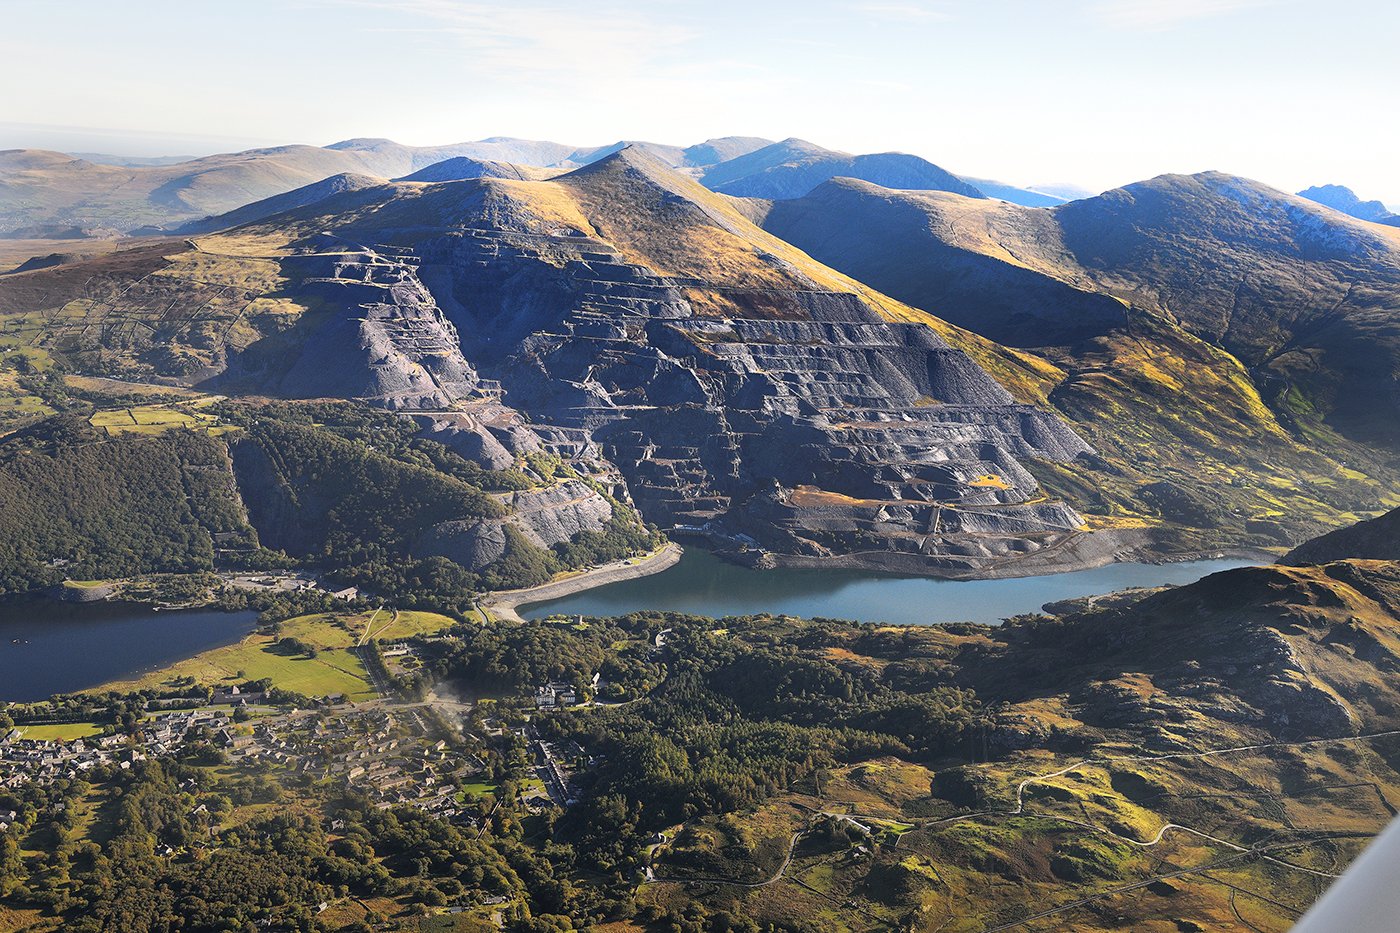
(362, 142)
(1341, 198)
(630, 157)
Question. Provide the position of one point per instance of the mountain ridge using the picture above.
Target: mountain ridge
(1342, 198)
(627, 310)
(44, 190)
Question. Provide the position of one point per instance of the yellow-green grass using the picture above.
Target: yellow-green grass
(479, 788)
(332, 671)
(156, 419)
(102, 384)
(343, 630)
(18, 406)
(409, 623)
(61, 732)
(12, 347)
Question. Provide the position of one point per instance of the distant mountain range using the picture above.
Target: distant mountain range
(1342, 198)
(1185, 363)
(1302, 296)
(49, 194)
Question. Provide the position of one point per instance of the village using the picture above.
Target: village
(393, 751)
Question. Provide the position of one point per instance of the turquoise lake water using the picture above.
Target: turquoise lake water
(703, 584)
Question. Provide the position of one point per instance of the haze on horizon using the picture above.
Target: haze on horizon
(1097, 93)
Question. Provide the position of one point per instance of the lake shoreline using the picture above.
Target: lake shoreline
(50, 647)
(504, 603)
(705, 584)
(1035, 564)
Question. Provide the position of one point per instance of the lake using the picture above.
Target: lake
(49, 647)
(703, 584)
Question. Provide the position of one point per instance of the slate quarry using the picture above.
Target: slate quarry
(752, 401)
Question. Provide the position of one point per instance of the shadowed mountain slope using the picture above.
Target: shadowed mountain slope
(298, 197)
(1220, 318)
(1376, 539)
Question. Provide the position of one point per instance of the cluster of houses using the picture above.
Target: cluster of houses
(44, 761)
(390, 758)
(555, 696)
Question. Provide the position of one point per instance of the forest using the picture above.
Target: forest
(335, 487)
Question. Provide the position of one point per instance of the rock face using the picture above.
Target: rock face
(385, 340)
(737, 386)
(552, 515)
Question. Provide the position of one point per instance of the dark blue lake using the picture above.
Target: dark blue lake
(49, 647)
(706, 585)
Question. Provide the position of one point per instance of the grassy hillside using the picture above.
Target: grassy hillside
(1208, 757)
(1213, 405)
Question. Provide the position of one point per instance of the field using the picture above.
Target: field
(157, 419)
(343, 630)
(61, 732)
(335, 669)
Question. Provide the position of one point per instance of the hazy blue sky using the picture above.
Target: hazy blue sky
(1099, 92)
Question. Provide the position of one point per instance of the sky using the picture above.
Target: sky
(1097, 93)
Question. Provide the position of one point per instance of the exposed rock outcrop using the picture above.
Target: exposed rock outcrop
(639, 320)
(546, 516)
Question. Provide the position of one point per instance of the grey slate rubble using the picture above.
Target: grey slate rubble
(711, 421)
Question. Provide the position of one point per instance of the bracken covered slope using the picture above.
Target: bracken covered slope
(1208, 757)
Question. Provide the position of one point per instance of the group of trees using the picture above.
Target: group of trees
(719, 719)
(724, 718)
(339, 486)
(81, 505)
(352, 490)
(526, 564)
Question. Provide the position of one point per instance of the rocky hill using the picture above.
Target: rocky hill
(1376, 539)
(631, 314)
